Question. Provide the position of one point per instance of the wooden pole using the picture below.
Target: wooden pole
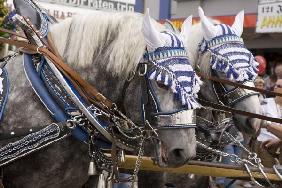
(201, 168)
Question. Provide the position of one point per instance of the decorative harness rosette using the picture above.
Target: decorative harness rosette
(230, 56)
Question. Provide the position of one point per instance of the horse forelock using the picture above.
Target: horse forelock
(112, 40)
(192, 44)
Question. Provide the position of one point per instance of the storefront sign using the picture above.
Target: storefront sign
(113, 5)
(269, 16)
(249, 20)
(61, 9)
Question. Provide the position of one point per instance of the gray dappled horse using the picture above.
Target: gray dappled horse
(218, 50)
(105, 48)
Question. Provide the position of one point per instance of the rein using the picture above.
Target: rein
(241, 112)
(223, 81)
(12, 33)
(235, 111)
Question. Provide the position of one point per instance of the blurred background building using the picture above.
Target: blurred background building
(266, 42)
(262, 25)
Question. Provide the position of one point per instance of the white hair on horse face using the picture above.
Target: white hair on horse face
(113, 38)
(192, 42)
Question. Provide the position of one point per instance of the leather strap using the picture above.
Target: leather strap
(88, 89)
(12, 33)
(84, 88)
(223, 81)
(235, 111)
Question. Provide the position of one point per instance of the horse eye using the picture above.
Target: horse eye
(161, 85)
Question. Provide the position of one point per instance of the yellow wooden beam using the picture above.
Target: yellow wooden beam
(200, 168)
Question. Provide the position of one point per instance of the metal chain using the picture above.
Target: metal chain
(251, 156)
(117, 122)
(101, 160)
(251, 176)
(6, 59)
(138, 161)
(236, 159)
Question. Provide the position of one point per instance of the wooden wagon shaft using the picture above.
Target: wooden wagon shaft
(201, 168)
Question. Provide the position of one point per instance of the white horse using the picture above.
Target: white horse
(218, 50)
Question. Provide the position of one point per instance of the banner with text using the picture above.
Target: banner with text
(269, 19)
(61, 9)
(112, 5)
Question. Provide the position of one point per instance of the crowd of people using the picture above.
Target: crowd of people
(269, 139)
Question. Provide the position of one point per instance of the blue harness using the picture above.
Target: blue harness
(54, 97)
(4, 90)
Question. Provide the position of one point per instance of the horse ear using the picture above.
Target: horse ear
(169, 25)
(152, 36)
(186, 28)
(238, 24)
(209, 29)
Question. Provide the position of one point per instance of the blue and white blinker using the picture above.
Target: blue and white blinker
(172, 68)
(226, 47)
(230, 56)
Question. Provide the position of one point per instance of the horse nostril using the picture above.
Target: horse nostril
(169, 185)
(178, 153)
(248, 121)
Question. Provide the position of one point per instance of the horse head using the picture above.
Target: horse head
(219, 51)
(171, 86)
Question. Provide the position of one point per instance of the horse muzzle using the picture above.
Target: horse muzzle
(176, 142)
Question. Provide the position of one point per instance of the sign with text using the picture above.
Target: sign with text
(112, 5)
(61, 9)
(269, 19)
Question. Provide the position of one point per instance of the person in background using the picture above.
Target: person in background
(259, 83)
(269, 81)
(274, 128)
(270, 134)
(273, 144)
(276, 74)
(278, 70)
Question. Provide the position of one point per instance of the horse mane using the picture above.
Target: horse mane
(110, 39)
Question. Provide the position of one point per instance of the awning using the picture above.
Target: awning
(249, 21)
